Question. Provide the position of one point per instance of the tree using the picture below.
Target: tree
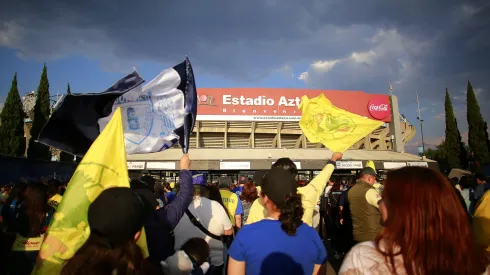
(41, 115)
(463, 151)
(68, 90)
(486, 135)
(440, 155)
(476, 133)
(12, 140)
(452, 135)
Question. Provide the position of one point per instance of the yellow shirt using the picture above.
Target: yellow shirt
(481, 221)
(230, 200)
(54, 201)
(309, 198)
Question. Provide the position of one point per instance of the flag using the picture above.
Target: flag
(161, 113)
(155, 116)
(104, 166)
(73, 125)
(337, 129)
(370, 163)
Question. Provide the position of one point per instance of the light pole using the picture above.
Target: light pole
(421, 126)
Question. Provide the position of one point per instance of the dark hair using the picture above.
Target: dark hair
(440, 220)
(286, 164)
(214, 195)
(249, 192)
(95, 257)
(480, 177)
(200, 190)
(53, 185)
(291, 213)
(34, 210)
(197, 249)
(158, 190)
(225, 182)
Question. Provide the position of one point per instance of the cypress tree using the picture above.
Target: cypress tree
(42, 110)
(463, 152)
(476, 133)
(12, 141)
(486, 135)
(64, 156)
(451, 144)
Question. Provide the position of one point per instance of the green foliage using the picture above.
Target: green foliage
(476, 134)
(452, 140)
(463, 151)
(41, 115)
(440, 155)
(486, 135)
(12, 141)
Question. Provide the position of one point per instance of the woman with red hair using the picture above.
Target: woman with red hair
(426, 230)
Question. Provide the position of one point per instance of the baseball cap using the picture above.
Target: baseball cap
(242, 179)
(369, 171)
(117, 214)
(258, 177)
(278, 183)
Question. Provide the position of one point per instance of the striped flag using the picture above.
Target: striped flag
(155, 116)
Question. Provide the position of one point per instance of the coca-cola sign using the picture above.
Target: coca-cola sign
(379, 108)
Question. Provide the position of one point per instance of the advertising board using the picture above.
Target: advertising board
(271, 104)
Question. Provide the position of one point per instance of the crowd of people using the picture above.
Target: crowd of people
(415, 221)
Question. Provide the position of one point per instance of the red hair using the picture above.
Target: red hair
(249, 192)
(427, 226)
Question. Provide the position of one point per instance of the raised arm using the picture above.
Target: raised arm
(172, 214)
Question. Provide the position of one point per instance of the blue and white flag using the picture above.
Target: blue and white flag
(156, 116)
(159, 114)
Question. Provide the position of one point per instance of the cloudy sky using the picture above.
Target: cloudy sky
(416, 45)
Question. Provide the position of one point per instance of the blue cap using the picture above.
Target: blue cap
(199, 179)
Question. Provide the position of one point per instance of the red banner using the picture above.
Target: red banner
(271, 104)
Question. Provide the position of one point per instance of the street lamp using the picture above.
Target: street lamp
(421, 126)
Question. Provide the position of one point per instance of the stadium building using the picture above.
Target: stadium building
(240, 130)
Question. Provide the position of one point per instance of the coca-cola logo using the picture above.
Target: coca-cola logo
(379, 108)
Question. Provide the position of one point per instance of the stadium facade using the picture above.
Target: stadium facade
(246, 129)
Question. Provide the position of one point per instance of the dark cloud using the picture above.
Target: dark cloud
(420, 46)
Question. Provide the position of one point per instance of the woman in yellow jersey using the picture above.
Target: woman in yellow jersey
(309, 194)
(31, 222)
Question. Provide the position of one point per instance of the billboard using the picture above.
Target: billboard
(271, 104)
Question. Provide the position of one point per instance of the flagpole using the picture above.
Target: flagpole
(421, 126)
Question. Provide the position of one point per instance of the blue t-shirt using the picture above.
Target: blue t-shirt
(170, 196)
(237, 190)
(267, 249)
(239, 207)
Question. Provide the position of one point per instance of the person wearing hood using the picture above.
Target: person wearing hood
(159, 227)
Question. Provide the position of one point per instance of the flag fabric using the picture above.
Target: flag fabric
(104, 166)
(370, 163)
(161, 113)
(337, 129)
(73, 125)
(155, 116)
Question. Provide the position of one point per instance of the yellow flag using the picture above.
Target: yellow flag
(370, 163)
(481, 222)
(337, 129)
(104, 166)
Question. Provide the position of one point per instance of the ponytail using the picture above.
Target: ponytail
(291, 213)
